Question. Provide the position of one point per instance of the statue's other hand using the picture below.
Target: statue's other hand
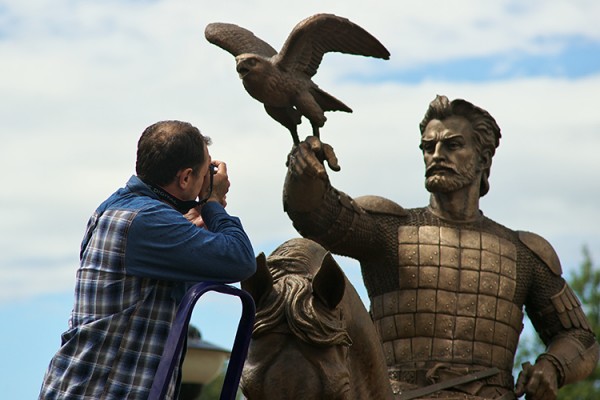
(307, 158)
(538, 381)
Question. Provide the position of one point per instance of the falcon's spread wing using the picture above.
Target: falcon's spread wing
(237, 40)
(313, 37)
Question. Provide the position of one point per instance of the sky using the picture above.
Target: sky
(81, 79)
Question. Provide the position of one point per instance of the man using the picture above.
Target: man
(143, 248)
(448, 285)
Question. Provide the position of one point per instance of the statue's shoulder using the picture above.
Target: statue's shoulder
(543, 249)
(380, 205)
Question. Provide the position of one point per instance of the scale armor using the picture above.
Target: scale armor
(446, 296)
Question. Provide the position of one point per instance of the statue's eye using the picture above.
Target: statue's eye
(454, 144)
(427, 147)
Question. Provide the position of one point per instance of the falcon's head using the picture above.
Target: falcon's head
(251, 63)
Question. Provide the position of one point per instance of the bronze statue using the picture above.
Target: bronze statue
(313, 338)
(448, 285)
(282, 81)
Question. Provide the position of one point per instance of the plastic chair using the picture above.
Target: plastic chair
(178, 334)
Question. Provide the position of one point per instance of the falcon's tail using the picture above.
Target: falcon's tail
(327, 102)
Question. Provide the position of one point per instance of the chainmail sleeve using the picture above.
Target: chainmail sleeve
(338, 224)
(553, 307)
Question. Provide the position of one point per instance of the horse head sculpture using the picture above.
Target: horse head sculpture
(313, 339)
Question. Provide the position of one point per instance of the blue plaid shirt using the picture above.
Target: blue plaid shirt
(138, 257)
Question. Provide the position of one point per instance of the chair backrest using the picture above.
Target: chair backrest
(178, 334)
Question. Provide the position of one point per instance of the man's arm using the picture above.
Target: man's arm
(162, 244)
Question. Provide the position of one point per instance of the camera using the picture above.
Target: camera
(212, 170)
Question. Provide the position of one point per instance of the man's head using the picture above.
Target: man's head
(476, 123)
(167, 147)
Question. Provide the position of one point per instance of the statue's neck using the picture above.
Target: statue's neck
(459, 206)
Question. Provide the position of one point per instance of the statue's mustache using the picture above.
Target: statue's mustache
(443, 167)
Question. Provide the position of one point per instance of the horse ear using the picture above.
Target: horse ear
(261, 282)
(329, 283)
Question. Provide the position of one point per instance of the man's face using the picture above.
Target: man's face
(452, 161)
(199, 181)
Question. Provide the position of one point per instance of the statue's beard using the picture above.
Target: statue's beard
(452, 179)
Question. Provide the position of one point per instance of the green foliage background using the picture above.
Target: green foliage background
(212, 391)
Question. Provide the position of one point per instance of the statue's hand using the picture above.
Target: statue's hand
(538, 381)
(308, 157)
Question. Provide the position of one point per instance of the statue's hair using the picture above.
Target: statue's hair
(291, 302)
(487, 131)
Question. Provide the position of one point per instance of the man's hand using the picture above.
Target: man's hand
(220, 184)
(194, 217)
(307, 158)
(220, 187)
(537, 382)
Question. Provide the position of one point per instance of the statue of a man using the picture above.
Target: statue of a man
(447, 285)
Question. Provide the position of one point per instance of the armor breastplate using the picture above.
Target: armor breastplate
(455, 302)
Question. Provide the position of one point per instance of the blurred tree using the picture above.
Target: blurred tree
(212, 390)
(585, 281)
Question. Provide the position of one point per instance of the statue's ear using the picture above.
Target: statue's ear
(329, 283)
(486, 158)
(261, 283)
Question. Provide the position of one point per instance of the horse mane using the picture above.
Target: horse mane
(292, 303)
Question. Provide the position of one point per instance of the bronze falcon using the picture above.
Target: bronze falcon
(282, 81)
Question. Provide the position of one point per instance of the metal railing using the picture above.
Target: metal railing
(178, 334)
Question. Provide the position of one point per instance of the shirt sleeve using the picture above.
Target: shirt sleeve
(163, 244)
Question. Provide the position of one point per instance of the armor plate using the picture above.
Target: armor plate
(455, 303)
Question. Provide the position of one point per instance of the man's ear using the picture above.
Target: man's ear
(184, 176)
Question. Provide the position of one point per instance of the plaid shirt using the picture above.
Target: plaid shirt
(123, 313)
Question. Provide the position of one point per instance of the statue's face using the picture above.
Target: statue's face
(451, 157)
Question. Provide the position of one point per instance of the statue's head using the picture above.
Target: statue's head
(486, 133)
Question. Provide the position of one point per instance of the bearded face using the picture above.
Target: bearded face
(452, 160)
(445, 177)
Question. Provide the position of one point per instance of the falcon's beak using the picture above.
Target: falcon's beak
(244, 64)
(242, 70)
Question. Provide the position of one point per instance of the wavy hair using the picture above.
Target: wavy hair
(291, 305)
(487, 132)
